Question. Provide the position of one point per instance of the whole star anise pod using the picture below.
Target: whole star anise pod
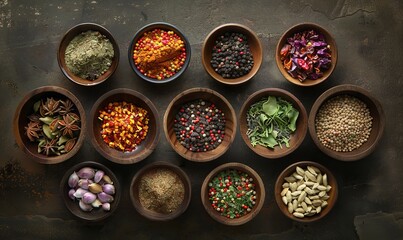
(68, 125)
(49, 107)
(48, 147)
(32, 130)
(66, 107)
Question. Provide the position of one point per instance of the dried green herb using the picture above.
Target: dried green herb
(271, 122)
(89, 55)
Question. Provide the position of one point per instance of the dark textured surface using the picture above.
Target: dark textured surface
(368, 34)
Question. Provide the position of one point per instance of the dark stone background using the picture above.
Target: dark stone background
(368, 34)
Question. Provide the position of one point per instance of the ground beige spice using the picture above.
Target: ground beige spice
(161, 190)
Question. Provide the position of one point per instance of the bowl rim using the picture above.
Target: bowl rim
(303, 116)
(279, 182)
(151, 215)
(86, 216)
(291, 30)
(335, 91)
(124, 158)
(189, 92)
(217, 77)
(162, 25)
(243, 219)
(66, 37)
(37, 92)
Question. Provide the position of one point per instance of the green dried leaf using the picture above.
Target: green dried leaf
(36, 106)
(270, 107)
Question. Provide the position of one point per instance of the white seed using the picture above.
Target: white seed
(298, 215)
(293, 186)
(324, 204)
(315, 169)
(290, 208)
(314, 197)
(309, 209)
(318, 209)
(319, 178)
(315, 185)
(322, 188)
(316, 203)
(302, 196)
(309, 214)
(296, 193)
(286, 185)
(290, 179)
(324, 180)
(300, 171)
(309, 191)
(309, 183)
(311, 170)
(297, 176)
(310, 176)
(284, 200)
(322, 194)
(326, 197)
(300, 210)
(328, 187)
(301, 187)
(304, 206)
(308, 201)
(285, 190)
(288, 196)
(295, 204)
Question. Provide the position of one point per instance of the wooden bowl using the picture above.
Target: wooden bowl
(296, 138)
(96, 214)
(254, 44)
(376, 112)
(300, 28)
(153, 215)
(25, 108)
(221, 103)
(146, 147)
(259, 188)
(73, 32)
(333, 193)
(167, 27)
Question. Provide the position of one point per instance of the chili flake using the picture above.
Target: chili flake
(159, 54)
(124, 125)
(232, 193)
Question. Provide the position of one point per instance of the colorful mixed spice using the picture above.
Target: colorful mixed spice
(124, 125)
(54, 125)
(199, 126)
(343, 123)
(231, 55)
(306, 55)
(161, 190)
(89, 55)
(159, 54)
(232, 193)
(271, 121)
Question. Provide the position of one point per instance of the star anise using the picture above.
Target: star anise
(68, 125)
(66, 107)
(50, 107)
(48, 147)
(34, 118)
(32, 130)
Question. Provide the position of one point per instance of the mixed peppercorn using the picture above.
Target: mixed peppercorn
(159, 54)
(231, 55)
(232, 193)
(199, 126)
(124, 125)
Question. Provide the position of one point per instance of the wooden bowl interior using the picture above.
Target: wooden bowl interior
(167, 27)
(152, 215)
(333, 193)
(207, 95)
(97, 214)
(376, 112)
(259, 188)
(21, 120)
(147, 145)
(73, 32)
(300, 28)
(254, 44)
(296, 138)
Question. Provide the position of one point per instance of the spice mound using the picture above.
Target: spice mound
(92, 188)
(306, 55)
(271, 121)
(305, 192)
(343, 123)
(89, 55)
(124, 125)
(232, 193)
(231, 55)
(54, 126)
(161, 190)
(159, 54)
(199, 126)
